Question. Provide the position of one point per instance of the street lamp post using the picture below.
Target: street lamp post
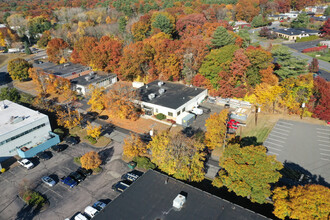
(303, 105)
(257, 110)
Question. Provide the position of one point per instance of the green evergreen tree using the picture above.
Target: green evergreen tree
(301, 21)
(122, 24)
(10, 94)
(164, 24)
(27, 48)
(221, 38)
(327, 11)
(245, 35)
(248, 171)
(258, 21)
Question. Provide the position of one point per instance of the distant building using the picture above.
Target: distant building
(81, 84)
(157, 196)
(326, 42)
(170, 99)
(66, 70)
(293, 34)
(241, 24)
(23, 131)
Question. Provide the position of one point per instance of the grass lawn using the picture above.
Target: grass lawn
(4, 58)
(101, 142)
(323, 55)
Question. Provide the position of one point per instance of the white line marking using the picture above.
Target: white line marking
(275, 140)
(322, 129)
(285, 122)
(283, 126)
(281, 130)
(325, 145)
(272, 153)
(325, 159)
(273, 148)
(323, 137)
(274, 143)
(322, 133)
(325, 149)
(325, 154)
(326, 141)
(280, 133)
(278, 136)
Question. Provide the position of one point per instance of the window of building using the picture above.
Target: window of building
(156, 110)
(184, 109)
(170, 114)
(178, 113)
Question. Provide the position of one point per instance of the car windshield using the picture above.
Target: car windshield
(47, 179)
(26, 162)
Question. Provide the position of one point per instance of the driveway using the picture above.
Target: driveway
(64, 201)
(303, 45)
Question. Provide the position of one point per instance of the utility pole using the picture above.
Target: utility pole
(302, 110)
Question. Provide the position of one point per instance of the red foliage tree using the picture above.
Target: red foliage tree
(191, 21)
(326, 29)
(322, 99)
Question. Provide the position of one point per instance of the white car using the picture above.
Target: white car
(26, 163)
(48, 180)
(90, 211)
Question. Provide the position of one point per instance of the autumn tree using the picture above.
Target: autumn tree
(90, 160)
(119, 102)
(322, 99)
(39, 78)
(189, 22)
(314, 66)
(216, 129)
(38, 25)
(221, 38)
(44, 39)
(18, 69)
(268, 76)
(248, 171)
(247, 9)
(267, 95)
(82, 51)
(325, 29)
(96, 100)
(178, 155)
(163, 21)
(93, 130)
(68, 118)
(302, 202)
(56, 49)
(142, 28)
(134, 146)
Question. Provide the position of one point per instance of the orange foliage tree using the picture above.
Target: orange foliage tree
(134, 146)
(90, 160)
(56, 50)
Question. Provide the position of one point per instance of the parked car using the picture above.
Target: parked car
(197, 111)
(99, 205)
(69, 181)
(72, 140)
(59, 147)
(90, 211)
(121, 185)
(26, 163)
(44, 155)
(85, 172)
(80, 216)
(77, 176)
(48, 180)
(132, 175)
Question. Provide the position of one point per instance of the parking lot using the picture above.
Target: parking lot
(64, 201)
(302, 145)
(303, 45)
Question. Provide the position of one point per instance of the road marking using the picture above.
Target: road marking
(323, 141)
(325, 159)
(323, 137)
(273, 148)
(322, 133)
(280, 133)
(325, 149)
(272, 153)
(275, 140)
(283, 126)
(325, 154)
(322, 129)
(281, 130)
(285, 122)
(274, 143)
(325, 145)
(277, 136)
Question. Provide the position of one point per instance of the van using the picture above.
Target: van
(90, 211)
(80, 216)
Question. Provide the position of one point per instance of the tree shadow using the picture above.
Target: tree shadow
(248, 141)
(106, 155)
(293, 175)
(28, 212)
(107, 129)
(189, 131)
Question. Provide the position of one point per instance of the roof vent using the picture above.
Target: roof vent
(160, 83)
(179, 201)
(151, 96)
(291, 32)
(302, 31)
(14, 120)
(285, 29)
(161, 91)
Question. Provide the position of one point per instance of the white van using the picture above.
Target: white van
(90, 211)
(80, 217)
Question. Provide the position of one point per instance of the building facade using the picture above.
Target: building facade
(293, 34)
(22, 129)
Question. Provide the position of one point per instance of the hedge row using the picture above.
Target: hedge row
(313, 49)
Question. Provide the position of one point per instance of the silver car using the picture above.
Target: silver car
(48, 180)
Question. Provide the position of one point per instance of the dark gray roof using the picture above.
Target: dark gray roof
(82, 80)
(175, 94)
(293, 31)
(66, 69)
(150, 198)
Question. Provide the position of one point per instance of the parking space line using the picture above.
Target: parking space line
(325, 159)
(322, 133)
(325, 145)
(273, 148)
(272, 153)
(275, 140)
(283, 126)
(326, 141)
(281, 129)
(325, 149)
(277, 136)
(274, 143)
(325, 154)
(280, 133)
(323, 137)
(285, 122)
(323, 129)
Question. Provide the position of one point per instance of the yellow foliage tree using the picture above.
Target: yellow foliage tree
(108, 20)
(96, 100)
(69, 119)
(267, 95)
(90, 160)
(216, 129)
(93, 131)
(63, 60)
(302, 202)
(2, 40)
(134, 146)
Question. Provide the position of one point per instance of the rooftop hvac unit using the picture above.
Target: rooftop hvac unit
(160, 83)
(151, 96)
(161, 91)
(179, 201)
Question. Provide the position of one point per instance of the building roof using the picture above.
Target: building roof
(14, 112)
(293, 31)
(91, 78)
(151, 198)
(66, 69)
(175, 94)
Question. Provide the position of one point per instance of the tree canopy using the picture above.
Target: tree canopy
(18, 69)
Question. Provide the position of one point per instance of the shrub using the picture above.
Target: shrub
(3, 170)
(313, 49)
(97, 170)
(160, 116)
(310, 38)
(77, 160)
(33, 198)
(59, 132)
(91, 139)
(144, 163)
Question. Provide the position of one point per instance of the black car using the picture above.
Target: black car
(84, 172)
(59, 147)
(44, 155)
(72, 140)
(121, 185)
(77, 176)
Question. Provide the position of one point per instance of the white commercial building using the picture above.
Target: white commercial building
(170, 99)
(23, 131)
